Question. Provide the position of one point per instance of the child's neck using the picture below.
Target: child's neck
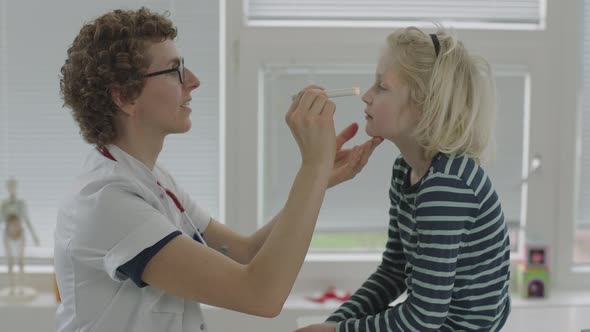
(415, 156)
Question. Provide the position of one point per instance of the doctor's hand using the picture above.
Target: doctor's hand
(349, 162)
(325, 327)
(311, 120)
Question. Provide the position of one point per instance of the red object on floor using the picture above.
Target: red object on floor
(329, 294)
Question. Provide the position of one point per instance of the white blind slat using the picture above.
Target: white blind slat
(499, 11)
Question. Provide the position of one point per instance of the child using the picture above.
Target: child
(448, 243)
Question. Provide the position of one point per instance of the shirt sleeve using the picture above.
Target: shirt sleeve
(381, 288)
(444, 209)
(388, 282)
(114, 223)
(135, 267)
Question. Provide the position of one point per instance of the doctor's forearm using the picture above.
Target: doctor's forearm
(274, 269)
(256, 240)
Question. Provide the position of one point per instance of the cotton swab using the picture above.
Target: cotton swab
(355, 91)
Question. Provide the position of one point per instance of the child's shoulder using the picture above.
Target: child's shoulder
(458, 169)
(400, 167)
(399, 161)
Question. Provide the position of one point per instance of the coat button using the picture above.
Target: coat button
(202, 326)
(162, 196)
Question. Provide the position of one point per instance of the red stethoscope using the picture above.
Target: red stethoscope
(198, 236)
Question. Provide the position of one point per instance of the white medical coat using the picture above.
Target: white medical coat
(113, 212)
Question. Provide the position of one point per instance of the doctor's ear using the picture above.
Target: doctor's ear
(127, 107)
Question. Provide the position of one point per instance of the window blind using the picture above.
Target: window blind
(482, 11)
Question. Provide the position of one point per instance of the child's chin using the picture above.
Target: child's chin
(370, 131)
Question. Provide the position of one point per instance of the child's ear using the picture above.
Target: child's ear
(127, 107)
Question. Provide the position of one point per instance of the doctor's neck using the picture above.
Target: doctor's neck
(143, 146)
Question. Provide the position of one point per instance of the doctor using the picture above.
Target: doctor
(133, 252)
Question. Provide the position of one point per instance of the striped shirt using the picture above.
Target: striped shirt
(448, 247)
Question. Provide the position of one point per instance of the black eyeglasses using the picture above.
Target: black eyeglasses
(179, 69)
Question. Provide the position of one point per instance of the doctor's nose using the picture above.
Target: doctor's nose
(191, 80)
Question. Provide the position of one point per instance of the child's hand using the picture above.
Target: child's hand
(349, 162)
(325, 327)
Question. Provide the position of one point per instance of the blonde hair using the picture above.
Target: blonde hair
(454, 91)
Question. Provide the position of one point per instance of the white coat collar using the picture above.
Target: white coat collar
(137, 167)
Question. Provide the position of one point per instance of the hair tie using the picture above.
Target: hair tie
(436, 43)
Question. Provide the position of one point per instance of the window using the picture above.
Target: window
(270, 62)
(503, 14)
(39, 142)
(354, 215)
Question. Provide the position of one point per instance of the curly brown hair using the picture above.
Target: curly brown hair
(109, 53)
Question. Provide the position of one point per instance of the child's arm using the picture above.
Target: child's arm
(387, 283)
(381, 288)
(441, 221)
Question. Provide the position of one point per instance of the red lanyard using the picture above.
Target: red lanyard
(198, 235)
(107, 154)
